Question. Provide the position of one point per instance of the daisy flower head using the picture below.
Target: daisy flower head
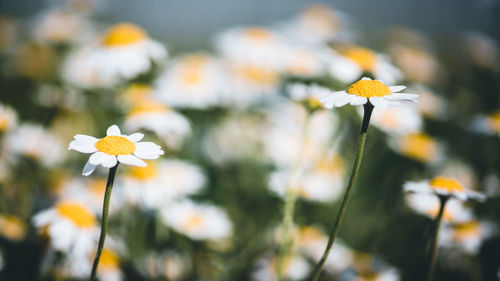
(466, 235)
(487, 124)
(308, 94)
(61, 26)
(418, 146)
(295, 267)
(8, 118)
(397, 120)
(125, 51)
(368, 90)
(443, 187)
(114, 148)
(428, 204)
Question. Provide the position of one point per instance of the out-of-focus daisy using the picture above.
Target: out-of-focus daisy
(308, 94)
(8, 118)
(443, 186)
(35, 142)
(368, 268)
(61, 26)
(12, 227)
(429, 103)
(466, 235)
(295, 267)
(36, 61)
(193, 81)
(170, 265)
(285, 142)
(312, 241)
(428, 205)
(257, 46)
(242, 132)
(147, 113)
(304, 61)
(197, 221)
(488, 124)
(161, 182)
(418, 146)
(397, 120)
(460, 171)
(417, 64)
(367, 90)
(109, 266)
(316, 24)
(115, 148)
(125, 51)
(71, 228)
(321, 182)
(351, 62)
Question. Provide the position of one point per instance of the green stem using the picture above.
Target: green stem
(289, 208)
(368, 108)
(104, 222)
(435, 236)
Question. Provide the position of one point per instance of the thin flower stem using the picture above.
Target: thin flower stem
(368, 108)
(289, 208)
(104, 222)
(435, 236)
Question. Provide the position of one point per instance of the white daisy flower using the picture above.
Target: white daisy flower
(368, 90)
(417, 64)
(397, 120)
(198, 221)
(309, 94)
(193, 81)
(428, 205)
(295, 267)
(89, 192)
(487, 124)
(304, 61)
(125, 51)
(8, 118)
(351, 63)
(443, 186)
(167, 264)
(109, 266)
(71, 227)
(418, 146)
(466, 235)
(62, 26)
(115, 148)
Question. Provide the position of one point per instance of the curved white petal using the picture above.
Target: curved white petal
(113, 130)
(347, 98)
(108, 161)
(86, 138)
(135, 137)
(148, 154)
(131, 160)
(147, 146)
(402, 96)
(397, 88)
(97, 158)
(83, 146)
(358, 100)
(88, 169)
(378, 102)
(329, 100)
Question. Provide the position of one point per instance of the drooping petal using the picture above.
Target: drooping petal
(135, 137)
(108, 161)
(88, 169)
(147, 146)
(131, 160)
(344, 100)
(97, 158)
(113, 130)
(378, 102)
(330, 100)
(396, 88)
(84, 145)
(358, 100)
(402, 96)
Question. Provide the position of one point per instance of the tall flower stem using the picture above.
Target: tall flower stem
(289, 208)
(104, 221)
(368, 108)
(435, 236)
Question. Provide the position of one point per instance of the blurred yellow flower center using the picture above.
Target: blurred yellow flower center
(320, 18)
(109, 259)
(463, 231)
(419, 146)
(448, 184)
(144, 173)
(494, 121)
(138, 93)
(193, 221)
(115, 145)
(369, 88)
(192, 72)
(97, 187)
(364, 58)
(12, 227)
(258, 33)
(124, 34)
(309, 235)
(78, 214)
(148, 106)
(331, 164)
(4, 123)
(258, 75)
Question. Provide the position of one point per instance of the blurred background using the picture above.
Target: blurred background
(230, 90)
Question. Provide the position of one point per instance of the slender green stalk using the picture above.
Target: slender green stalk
(435, 236)
(289, 208)
(104, 221)
(368, 108)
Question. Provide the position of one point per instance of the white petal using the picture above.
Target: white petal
(97, 158)
(358, 100)
(135, 137)
(366, 78)
(83, 145)
(397, 88)
(330, 99)
(131, 160)
(85, 138)
(147, 146)
(402, 96)
(108, 161)
(113, 130)
(378, 102)
(344, 100)
(88, 169)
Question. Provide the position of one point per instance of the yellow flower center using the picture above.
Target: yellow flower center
(192, 71)
(138, 93)
(364, 58)
(309, 235)
(258, 75)
(124, 34)
(494, 121)
(193, 221)
(115, 145)
(109, 259)
(463, 231)
(447, 184)
(369, 88)
(12, 227)
(331, 164)
(258, 34)
(4, 123)
(149, 107)
(144, 173)
(76, 213)
(419, 146)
